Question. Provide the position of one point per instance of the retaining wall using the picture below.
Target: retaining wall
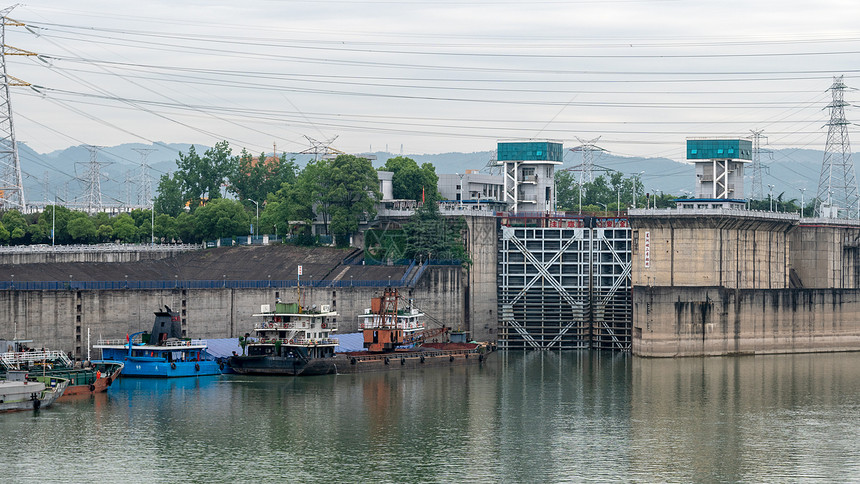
(698, 321)
(60, 319)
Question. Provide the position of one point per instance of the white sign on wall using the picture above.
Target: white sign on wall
(300, 270)
(647, 252)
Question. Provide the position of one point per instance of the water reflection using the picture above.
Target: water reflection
(521, 417)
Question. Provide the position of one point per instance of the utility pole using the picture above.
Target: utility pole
(756, 193)
(92, 199)
(586, 168)
(144, 186)
(11, 183)
(837, 185)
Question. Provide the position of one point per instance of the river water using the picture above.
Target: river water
(520, 417)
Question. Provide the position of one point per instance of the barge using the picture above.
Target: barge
(298, 341)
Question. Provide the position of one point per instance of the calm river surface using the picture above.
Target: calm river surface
(521, 417)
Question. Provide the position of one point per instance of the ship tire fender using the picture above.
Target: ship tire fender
(92, 387)
(352, 361)
(221, 366)
(36, 404)
(402, 361)
(196, 366)
(108, 381)
(481, 357)
(387, 361)
(451, 358)
(173, 366)
(422, 358)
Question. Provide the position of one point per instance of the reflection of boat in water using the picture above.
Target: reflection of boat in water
(162, 354)
(18, 392)
(93, 377)
(292, 340)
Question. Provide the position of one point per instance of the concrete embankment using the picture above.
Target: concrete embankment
(697, 321)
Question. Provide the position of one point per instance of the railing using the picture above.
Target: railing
(376, 324)
(193, 342)
(120, 341)
(301, 326)
(42, 248)
(301, 341)
(13, 359)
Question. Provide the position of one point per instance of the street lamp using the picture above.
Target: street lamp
(770, 196)
(801, 201)
(152, 224)
(635, 180)
(257, 230)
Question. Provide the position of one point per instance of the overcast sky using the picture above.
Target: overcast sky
(430, 76)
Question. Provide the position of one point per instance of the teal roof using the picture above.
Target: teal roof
(719, 149)
(530, 151)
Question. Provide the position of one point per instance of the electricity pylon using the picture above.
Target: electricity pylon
(837, 185)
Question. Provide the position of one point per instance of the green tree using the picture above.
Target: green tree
(430, 236)
(104, 233)
(16, 224)
(40, 232)
(166, 228)
(352, 195)
(256, 178)
(221, 218)
(311, 194)
(185, 228)
(201, 177)
(169, 198)
(125, 229)
(4, 234)
(409, 181)
(81, 228)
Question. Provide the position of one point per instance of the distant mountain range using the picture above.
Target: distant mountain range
(62, 172)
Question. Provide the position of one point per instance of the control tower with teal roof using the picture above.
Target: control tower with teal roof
(719, 166)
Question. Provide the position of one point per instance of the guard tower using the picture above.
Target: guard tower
(529, 169)
(719, 166)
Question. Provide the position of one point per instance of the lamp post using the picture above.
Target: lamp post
(152, 223)
(618, 202)
(257, 205)
(770, 196)
(801, 201)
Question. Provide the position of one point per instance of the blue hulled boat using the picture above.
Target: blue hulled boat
(162, 353)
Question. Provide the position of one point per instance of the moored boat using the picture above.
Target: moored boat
(92, 377)
(289, 340)
(164, 353)
(296, 341)
(18, 392)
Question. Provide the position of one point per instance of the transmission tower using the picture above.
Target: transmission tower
(321, 148)
(757, 192)
(586, 168)
(144, 186)
(11, 185)
(837, 185)
(92, 198)
(493, 167)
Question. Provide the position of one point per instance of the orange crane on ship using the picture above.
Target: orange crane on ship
(382, 334)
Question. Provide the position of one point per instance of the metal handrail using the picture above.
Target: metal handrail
(14, 358)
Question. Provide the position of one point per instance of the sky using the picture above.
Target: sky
(435, 76)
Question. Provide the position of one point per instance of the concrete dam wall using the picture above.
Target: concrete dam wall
(62, 319)
(697, 321)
